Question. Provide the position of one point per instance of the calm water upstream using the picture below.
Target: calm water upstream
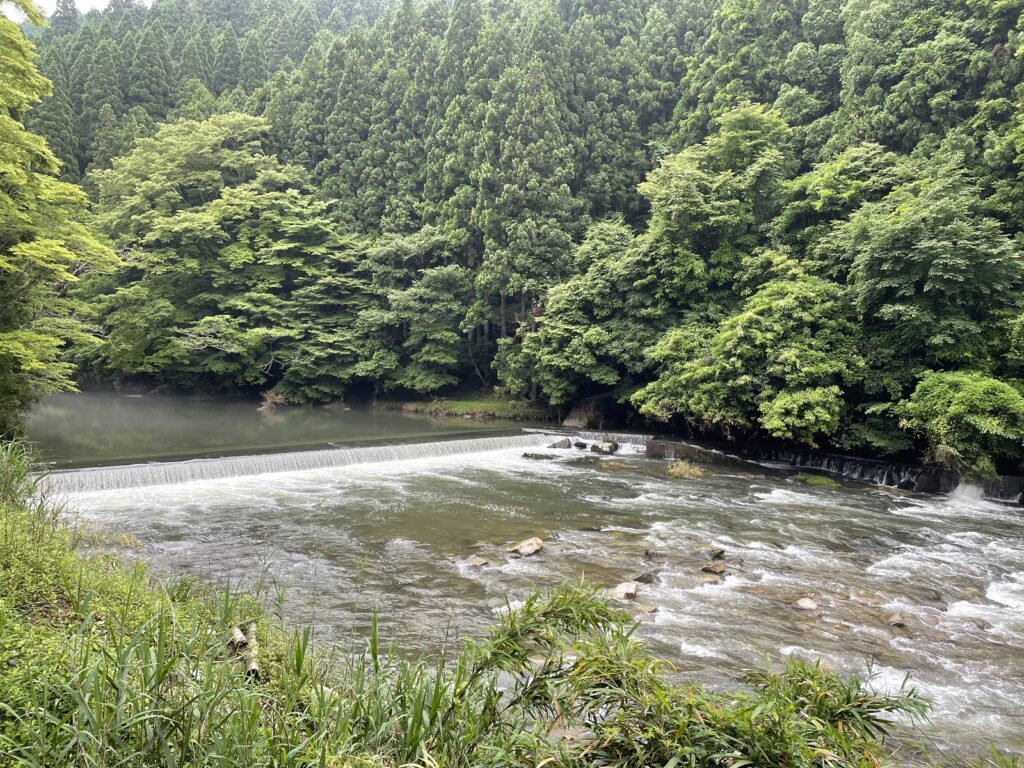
(385, 526)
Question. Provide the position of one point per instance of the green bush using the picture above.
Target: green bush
(968, 420)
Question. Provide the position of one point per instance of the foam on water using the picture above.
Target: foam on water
(170, 473)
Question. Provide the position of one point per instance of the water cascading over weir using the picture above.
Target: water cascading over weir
(173, 472)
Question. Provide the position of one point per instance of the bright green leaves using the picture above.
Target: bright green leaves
(44, 247)
(968, 420)
(222, 240)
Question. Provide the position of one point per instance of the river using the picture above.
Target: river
(379, 512)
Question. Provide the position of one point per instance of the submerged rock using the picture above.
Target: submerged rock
(685, 470)
(655, 554)
(710, 552)
(585, 460)
(716, 567)
(648, 577)
(896, 620)
(561, 444)
(527, 547)
(616, 465)
(475, 561)
(627, 590)
(806, 604)
(817, 481)
(644, 613)
(538, 456)
(607, 447)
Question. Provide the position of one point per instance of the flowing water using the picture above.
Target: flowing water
(388, 528)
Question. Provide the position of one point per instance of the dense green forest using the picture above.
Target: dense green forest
(792, 219)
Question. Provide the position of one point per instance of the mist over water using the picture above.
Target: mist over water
(389, 530)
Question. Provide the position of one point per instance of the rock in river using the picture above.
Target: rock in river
(896, 620)
(806, 604)
(716, 567)
(710, 552)
(625, 591)
(475, 561)
(607, 447)
(527, 547)
(561, 444)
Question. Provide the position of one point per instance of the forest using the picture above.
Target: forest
(793, 220)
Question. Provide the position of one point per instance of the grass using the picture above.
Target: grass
(685, 470)
(817, 481)
(483, 406)
(102, 666)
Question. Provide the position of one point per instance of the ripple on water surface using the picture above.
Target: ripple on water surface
(929, 586)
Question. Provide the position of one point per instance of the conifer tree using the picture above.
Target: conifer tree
(150, 83)
(101, 89)
(527, 222)
(53, 118)
(253, 66)
(192, 101)
(195, 64)
(347, 131)
(227, 63)
(65, 18)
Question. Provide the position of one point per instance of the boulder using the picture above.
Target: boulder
(644, 613)
(817, 481)
(927, 482)
(625, 591)
(906, 485)
(647, 577)
(585, 460)
(607, 447)
(561, 444)
(475, 561)
(806, 604)
(710, 552)
(618, 466)
(538, 456)
(580, 444)
(527, 547)
(896, 620)
(716, 567)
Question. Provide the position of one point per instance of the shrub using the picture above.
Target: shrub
(968, 420)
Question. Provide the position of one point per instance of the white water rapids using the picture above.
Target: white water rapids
(386, 528)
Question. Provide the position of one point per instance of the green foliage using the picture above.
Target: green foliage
(221, 238)
(571, 199)
(780, 364)
(968, 419)
(931, 273)
(44, 246)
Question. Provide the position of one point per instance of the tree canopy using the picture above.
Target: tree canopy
(769, 220)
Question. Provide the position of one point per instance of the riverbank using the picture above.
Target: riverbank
(105, 665)
(478, 407)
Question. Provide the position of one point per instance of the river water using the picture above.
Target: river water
(387, 524)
